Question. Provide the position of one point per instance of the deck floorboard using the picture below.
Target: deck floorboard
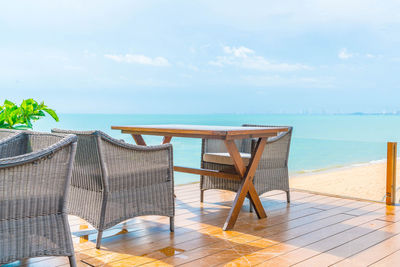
(313, 230)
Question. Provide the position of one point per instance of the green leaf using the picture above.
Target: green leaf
(13, 116)
(8, 103)
(52, 113)
(40, 113)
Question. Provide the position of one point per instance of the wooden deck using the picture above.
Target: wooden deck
(314, 230)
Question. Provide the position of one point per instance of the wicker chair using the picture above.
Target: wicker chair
(113, 181)
(272, 171)
(35, 171)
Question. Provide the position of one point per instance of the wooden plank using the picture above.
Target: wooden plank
(391, 173)
(222, 256)
(298, 249)
(373, 254)
(353, 246)
(391, 260)
(208, 172)
(392, 214)
(139, 139)
(200, 135)
(202, 131)
(186, 135)
(285, 252)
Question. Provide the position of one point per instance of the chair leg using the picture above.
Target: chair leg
(250, 204)
(72, 261)
(98, 241)
(171, 224)
(201, 196)
(288, 196)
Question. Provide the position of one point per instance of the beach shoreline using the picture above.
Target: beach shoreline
(297, 174)
(361, 181)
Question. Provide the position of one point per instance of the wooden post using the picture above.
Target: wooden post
(391, 173)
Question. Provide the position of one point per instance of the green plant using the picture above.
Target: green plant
(21, 117)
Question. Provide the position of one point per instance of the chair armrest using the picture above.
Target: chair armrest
(276, 151)
(11, 145)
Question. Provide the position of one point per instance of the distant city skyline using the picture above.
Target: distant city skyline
(198, 57)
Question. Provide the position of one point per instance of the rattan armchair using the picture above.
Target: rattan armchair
(35, 171)
(272, 171)
(114, 181)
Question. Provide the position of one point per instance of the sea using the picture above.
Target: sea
(319, 142)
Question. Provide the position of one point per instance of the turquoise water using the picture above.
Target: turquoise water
(319, 141)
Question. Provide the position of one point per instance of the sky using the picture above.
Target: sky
(199, 56)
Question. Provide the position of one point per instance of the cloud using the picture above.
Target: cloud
(344, 54)
(373, 56)
(139, 59)
(244, 57)
(238, 52)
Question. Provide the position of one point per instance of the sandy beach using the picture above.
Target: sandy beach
(363, 181)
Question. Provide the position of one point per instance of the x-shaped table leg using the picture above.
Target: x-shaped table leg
(247, 174)
(246, 186)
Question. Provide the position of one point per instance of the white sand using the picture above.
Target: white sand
(367, 181)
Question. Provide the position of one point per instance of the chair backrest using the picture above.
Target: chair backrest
(4, 133)
(13, 145)
(276, 152)
(218, 146)
(26, 142)
(87, 172)
(34, 183)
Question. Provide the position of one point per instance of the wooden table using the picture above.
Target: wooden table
(228, 134)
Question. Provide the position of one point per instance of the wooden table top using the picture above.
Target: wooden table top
(202, 131)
